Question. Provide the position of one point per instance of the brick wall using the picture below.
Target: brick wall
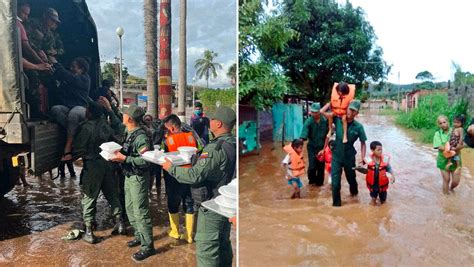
(465, 92)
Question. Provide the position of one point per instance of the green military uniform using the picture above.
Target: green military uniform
(96, 174)
(343, 155)
(137, 179)
(214, 168)
(315, 132)
(42, 38)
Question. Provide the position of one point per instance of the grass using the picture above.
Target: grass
(424, 118)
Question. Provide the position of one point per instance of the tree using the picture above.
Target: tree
(110, 72)
(261, 83)
(335, 43)
(206, 66)
(232, 73)
(462, 78)
(151, 24)
(424, 76)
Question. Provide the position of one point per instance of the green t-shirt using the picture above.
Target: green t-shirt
(355, 130)
(315, 132)
(440, 139)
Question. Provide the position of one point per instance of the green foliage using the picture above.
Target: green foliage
(206, 67)
(132, 79)
(209, 97)
(232, 73)
(335, 43)
(108, 72)
(261, 84)
(426, 85)
(424, 76)
(462, 78)
(424, 118)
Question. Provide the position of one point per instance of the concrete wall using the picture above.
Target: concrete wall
(465, 92)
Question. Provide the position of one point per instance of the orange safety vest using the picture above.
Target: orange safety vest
(296, 165)
(339, 104)
(173, 141)
(370, 177)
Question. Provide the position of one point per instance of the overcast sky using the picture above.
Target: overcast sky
(211, 25)
(423, 35)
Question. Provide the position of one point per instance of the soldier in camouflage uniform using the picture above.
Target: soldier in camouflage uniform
(97, 173)
(214, 168)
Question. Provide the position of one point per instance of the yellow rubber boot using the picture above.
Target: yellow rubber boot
(174, 225)
(189, 228)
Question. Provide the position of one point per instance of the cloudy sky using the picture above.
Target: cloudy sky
(211, 25)
(422, 35)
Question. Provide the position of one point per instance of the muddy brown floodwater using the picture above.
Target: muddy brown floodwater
(32, 221)
(417, 226)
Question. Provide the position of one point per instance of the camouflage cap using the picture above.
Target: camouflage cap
(134, 111)
(355, 105)
(52, 14)
(315, 107)
(224, 114)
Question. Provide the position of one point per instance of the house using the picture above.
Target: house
(411, 99)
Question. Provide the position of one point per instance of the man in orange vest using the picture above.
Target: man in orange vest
(175, 191)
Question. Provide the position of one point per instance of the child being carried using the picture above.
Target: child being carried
(341, 96)
(455, 141)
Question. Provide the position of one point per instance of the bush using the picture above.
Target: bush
(429, 108)
(209, 97)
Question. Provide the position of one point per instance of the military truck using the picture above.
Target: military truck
(37, 145)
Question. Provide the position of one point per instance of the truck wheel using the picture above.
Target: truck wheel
(8, 175)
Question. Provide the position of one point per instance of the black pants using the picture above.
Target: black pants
(316, 175)
(70, 167)
(381, 195)
(177, 193)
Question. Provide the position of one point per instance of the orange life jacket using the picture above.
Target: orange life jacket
(370, 178)
(327, 159)
(296, 165)
(173, 141)
(339, 104)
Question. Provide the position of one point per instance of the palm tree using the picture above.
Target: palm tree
(151, 27)
(206, 66)
(232, 73)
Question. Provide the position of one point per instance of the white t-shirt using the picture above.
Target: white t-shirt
(286, 161)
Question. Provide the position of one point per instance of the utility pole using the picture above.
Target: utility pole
(182, 62)
(165, 80)
(398, 106)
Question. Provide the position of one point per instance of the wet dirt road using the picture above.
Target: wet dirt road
(417, 226)
(33, 220)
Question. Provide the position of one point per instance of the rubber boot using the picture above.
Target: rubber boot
(119, 228)
(174, 225)
(89, 236)
(189, 228)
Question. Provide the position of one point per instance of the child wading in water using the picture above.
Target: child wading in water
(378, 170)
(294, 165)
(455, 141)
(342, 94)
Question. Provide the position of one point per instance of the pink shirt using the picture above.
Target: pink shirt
(21, 28)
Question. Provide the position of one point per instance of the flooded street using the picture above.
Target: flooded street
(417, 226)
(33, 220)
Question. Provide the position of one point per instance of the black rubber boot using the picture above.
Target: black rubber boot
(133, 243)
(119, 227)
(89, 236)
(141, 255)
